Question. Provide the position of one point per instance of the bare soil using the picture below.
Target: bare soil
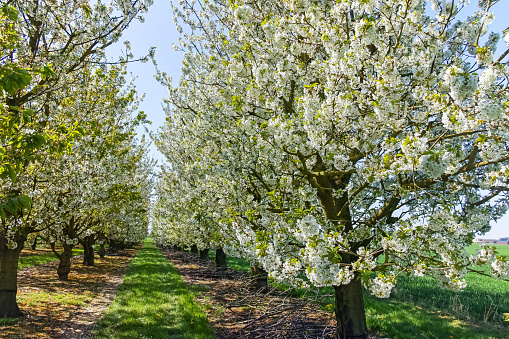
(75, 317)
(235, 310)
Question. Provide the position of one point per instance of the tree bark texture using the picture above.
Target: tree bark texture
(220, 259)
(9, 279)
(204, 254)
(102, 251)
(88, 250)
(349, 303)
(34, 244)
(349, 309)
(259, 276)
(64, 266)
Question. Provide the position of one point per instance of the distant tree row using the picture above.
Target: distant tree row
(71, 169)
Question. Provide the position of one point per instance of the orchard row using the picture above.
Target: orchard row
(338, 143)
(72, 170)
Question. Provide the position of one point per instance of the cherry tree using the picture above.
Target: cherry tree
(360, 130)
(53, 41)
(84, 188)
(128, 218)
(181, 212)
(194, 201)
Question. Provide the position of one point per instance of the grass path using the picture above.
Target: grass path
(154, 302)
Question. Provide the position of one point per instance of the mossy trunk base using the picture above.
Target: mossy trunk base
(64, 266)
(102, 251)
(9, 279)
(88, 251)
(8, 306)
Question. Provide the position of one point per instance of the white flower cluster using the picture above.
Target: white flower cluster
(381, 286)
(500, 268)
(462, 84)
(307, 140)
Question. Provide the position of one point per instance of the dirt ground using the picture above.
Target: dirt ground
(236, 311)
(57, 309)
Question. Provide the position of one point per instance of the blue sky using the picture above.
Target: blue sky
(158, 31)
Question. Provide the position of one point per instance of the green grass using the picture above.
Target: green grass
(484, 299)
(8, 321)
(234, 263)
(67, 299)
(39, 259)
(424, 311)
(398, 320)
(154, 302)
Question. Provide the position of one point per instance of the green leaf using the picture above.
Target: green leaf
(12, 173)
(87, 9)
(10, 207)
(26, 201)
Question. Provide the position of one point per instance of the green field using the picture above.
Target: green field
(154, 302)
(484, 299)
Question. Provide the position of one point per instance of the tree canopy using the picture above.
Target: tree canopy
(352, 141)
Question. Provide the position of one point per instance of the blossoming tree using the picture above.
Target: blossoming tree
(368, 137)
(83, 190)
(53, 40)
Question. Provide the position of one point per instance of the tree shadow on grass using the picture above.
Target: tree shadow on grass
(399, 320)
(154, 302)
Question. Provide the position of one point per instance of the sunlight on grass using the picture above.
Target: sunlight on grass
(39, 259)
(398, 320)
(234, 263)
(484, 298)
(40, 298)
(154, 302)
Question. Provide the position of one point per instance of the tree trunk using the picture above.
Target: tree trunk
(88, 250)
(34, 244)
(102, 251)
(9, 279)
(259, 276)
(194, 249)
(64, 266)
(116, 245)
(220, 259)
(349, 309)
(204, 254)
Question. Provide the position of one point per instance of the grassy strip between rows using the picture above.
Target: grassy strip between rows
(153, 302)
(39, 259)
(422, 317)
